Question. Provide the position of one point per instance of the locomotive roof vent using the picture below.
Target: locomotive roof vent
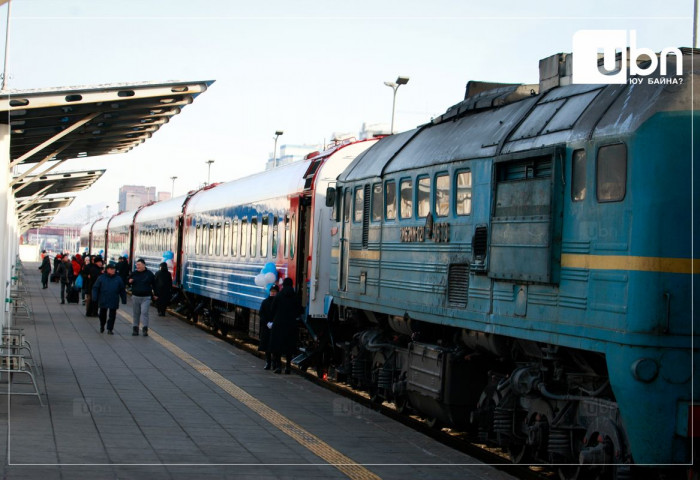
(555, 71)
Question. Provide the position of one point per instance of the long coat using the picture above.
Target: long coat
(65, 273)
(265, 317)
(107, 291)
(285, 310)
(45, 265)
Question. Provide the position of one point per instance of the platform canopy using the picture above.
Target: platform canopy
(39, 198)
(57, 124)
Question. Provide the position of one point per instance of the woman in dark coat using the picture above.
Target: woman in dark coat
(286, 308)
(163, 288)
(45, 270)
(265, 320)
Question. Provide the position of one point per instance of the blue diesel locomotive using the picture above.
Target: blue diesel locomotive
(522, 266)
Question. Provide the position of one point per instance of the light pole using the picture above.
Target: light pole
(172, 191)
(209, 162)
(395, 86)
(274, 151)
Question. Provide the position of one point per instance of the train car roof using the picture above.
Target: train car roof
(277, 182)
(165, 209)
(122, 218)
(101, 224)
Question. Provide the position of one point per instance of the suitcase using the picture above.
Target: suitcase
(73, 296)
(54, 278)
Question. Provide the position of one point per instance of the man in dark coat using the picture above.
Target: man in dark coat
(142, 283)
(45, 268)
(94, 270)
(123, 269)
(283, 335)
(106, 292)
(265, 324)
(65, 275)
(164, 284)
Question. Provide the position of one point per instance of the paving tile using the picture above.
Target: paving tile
(113, 402)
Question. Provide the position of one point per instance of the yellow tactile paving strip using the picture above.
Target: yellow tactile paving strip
(310, 441)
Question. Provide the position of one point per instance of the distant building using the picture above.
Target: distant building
(163, 196)
(291, 153)
(133, 196)
(373, 130)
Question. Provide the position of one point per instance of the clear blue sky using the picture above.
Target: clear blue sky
(309, 68)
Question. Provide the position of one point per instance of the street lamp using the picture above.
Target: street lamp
(274, 151)
(209, 162)
(172, 191)
(395, 86)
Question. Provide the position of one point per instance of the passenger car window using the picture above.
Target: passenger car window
(611, 173)
(464, 193)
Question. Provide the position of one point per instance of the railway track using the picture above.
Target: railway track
(453, 439)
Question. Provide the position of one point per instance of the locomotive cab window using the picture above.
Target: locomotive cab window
(611, 173)
(578, 175)
(390, 202)
(442, 195)
(359, 203)
(423, 197)
(464, 193)
(377, 202)
(406, 198)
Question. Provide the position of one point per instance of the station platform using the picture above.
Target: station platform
(182, 404)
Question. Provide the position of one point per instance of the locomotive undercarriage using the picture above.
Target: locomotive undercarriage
(539, 403)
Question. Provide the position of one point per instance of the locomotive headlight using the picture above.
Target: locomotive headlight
(645, 370)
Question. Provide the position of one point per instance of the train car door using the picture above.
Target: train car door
(300, 209)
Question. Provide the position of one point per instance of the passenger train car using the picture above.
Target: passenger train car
(521, 267)
(523, 264)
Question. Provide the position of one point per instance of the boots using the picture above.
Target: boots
(145, 331)
(135, 332)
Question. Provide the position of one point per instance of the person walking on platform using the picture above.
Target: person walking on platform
(142, 283)
(45, 268)
(65, 276)
(286, 308)
(163, 287)
(106, 292)
(123, 269)
(94, 270)
(265, 324)
(84, 274)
